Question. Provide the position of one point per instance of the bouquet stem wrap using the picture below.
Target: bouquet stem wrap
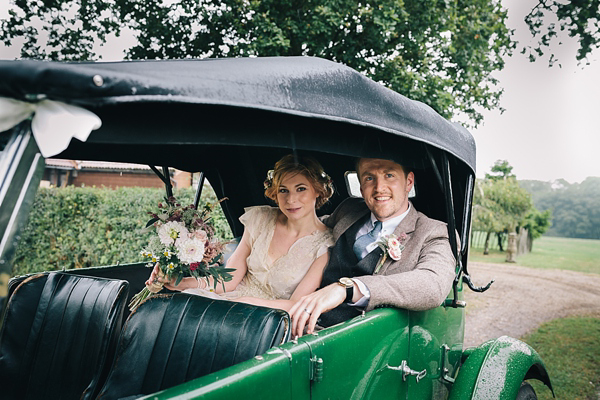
(153, 288)
(156, 286)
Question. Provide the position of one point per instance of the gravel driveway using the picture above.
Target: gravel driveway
(522, 298)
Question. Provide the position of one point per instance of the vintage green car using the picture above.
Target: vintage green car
(231, 119)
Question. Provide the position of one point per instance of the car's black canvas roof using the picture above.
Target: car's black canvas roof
(302, 88)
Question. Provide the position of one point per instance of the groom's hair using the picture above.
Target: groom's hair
(407, 170)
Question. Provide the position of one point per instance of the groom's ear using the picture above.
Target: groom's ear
(410, 181)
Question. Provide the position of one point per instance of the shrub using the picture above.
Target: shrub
(83, 227)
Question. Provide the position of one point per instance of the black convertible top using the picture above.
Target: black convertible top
(297, 87)
(233, 118)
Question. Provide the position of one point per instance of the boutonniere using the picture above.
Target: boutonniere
(392, 246)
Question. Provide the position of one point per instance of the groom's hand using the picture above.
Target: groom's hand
(309, 308)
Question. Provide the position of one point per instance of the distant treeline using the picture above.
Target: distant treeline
(575, 206)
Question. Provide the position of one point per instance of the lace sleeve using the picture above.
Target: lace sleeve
(254, 220)
(325, 243)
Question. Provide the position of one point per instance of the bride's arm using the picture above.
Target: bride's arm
(237, 261)
(307, 285)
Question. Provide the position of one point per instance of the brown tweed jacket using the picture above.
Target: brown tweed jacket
(423, 277)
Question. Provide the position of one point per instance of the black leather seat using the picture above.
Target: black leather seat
(57, 336)
(174, 338)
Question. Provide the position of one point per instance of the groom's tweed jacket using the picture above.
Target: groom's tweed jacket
(420, 280)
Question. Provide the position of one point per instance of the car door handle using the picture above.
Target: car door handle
(406, 370)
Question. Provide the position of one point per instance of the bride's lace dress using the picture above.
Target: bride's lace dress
(273, 279)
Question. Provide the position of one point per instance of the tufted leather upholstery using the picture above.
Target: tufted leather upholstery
(57, 334)
(174, 338)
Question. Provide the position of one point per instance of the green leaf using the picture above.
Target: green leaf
(178, 279)
(152, 221)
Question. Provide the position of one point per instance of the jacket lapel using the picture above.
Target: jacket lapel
(406, 226)
(409, 223)
(347, 221)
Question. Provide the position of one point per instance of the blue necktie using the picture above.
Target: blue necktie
(363, 241)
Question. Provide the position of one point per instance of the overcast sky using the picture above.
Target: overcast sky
(551, 126)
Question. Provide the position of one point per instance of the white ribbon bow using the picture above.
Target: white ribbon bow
(54, 123)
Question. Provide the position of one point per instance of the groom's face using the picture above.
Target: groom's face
(384, 186)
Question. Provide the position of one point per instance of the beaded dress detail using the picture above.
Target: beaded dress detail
(273, 279)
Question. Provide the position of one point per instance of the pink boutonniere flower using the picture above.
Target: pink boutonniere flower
(392, 246)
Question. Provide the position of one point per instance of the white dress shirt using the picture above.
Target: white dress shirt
(387, 228)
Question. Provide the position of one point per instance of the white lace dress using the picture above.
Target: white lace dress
(273, 279)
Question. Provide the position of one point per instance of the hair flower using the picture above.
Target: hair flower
(269, 179)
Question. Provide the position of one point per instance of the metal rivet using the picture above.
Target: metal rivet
(98, 81)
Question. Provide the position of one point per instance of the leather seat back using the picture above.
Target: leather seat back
(174, 338)
(57, 335)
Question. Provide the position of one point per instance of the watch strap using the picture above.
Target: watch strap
(349, 285)
(349, 294)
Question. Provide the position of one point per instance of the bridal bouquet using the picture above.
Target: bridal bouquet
(184, 245)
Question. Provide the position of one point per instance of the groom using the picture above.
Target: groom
(420, 280)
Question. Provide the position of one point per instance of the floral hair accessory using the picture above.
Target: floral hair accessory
(269, 181)
(326, 177)
(392, 246)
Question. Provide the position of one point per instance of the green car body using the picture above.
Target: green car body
(360, 359)
(386, 353)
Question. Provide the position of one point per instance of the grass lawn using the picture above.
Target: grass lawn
(581, 255)
(570, 348)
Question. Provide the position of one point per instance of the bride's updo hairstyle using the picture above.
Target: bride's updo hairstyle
(307, 166)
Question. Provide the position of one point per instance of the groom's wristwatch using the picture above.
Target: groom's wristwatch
(349, 285)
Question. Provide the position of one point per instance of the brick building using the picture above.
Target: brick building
(60, 173)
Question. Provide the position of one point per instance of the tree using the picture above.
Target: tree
(537, 222)
(575, 207)
(435, 51)
(501, 170)
(500, 205)
(579, 18)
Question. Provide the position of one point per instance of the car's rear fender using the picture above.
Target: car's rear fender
(496, 369)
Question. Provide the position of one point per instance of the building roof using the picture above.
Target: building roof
(59, 163)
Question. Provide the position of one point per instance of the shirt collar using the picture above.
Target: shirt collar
(390, 225)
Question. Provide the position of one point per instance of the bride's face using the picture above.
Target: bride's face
(296, 197)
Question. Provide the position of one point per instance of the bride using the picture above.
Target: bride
(284, 249)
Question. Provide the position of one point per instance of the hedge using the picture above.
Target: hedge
(84, 227)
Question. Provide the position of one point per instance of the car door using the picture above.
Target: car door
(359, 359)
(21, 169)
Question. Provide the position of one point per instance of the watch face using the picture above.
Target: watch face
(346, 282)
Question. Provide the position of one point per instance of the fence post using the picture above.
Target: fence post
(511, 248)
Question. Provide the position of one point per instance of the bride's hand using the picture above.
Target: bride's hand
(154, 277)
